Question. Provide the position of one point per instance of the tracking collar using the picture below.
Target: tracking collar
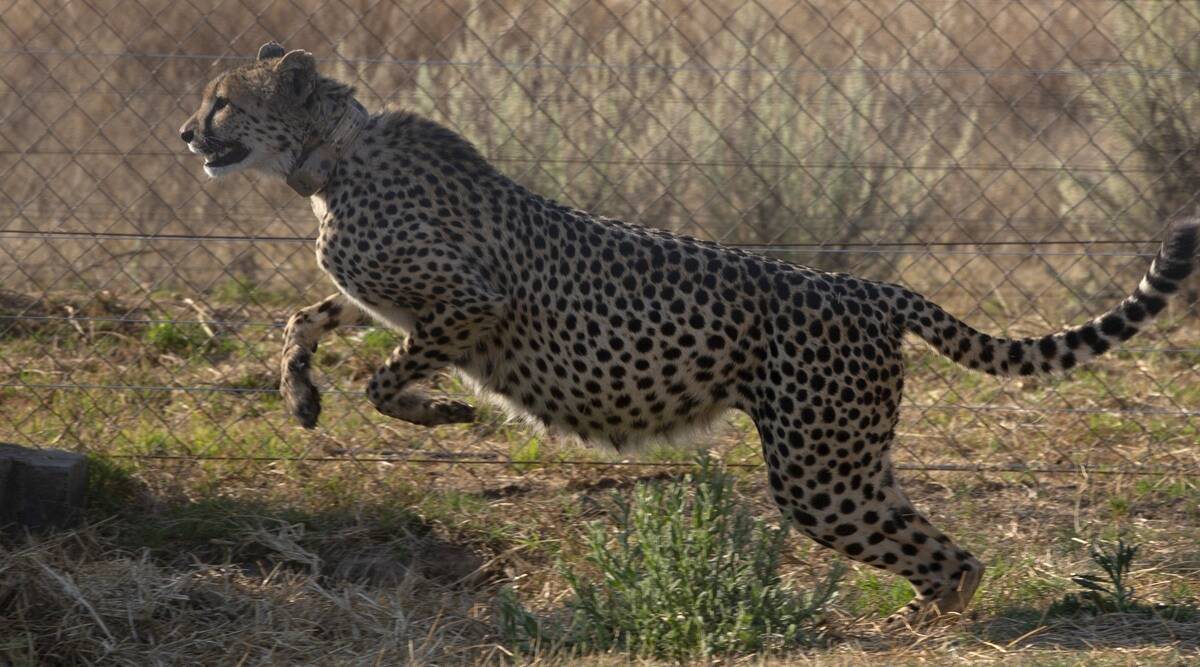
(320, 155)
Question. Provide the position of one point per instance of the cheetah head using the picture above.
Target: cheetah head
(256, 116)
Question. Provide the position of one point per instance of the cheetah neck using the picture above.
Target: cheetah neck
(325, 147)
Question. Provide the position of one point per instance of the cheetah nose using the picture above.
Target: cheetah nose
(187, 135)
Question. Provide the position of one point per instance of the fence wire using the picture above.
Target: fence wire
(1014, 160)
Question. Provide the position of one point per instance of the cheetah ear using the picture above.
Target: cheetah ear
(270, 50)
(297, 72)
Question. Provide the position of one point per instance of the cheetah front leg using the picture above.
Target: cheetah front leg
(441, 338)
(304, 330)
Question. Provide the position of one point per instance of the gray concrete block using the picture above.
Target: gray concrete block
(41, 488)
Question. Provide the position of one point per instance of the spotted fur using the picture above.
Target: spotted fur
(622, 334)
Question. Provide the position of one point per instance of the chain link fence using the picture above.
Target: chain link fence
(1014, 160)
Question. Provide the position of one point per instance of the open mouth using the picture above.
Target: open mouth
(226, 155)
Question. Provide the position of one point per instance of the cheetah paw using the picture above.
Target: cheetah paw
(299, 394)
(422, 411)
(442, 410)
(447, 411)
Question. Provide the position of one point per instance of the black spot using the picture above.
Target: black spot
(1048, 347)
(1152, 304)
(1134, 312)
(1093, 339)
(1072, 339)
(1161, 285)
(1174, 270)
(1016, 352)
(804, 518)
(1112, 325)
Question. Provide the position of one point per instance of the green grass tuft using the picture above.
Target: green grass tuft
(379, 342)
(171, 337)
(186, 340)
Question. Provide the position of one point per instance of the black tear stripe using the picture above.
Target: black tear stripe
(1175, 261)
(206, 128)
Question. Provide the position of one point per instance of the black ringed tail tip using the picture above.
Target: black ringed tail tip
(1175, 261)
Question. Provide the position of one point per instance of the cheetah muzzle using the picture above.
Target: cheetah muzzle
(225, 154)
(616, 332)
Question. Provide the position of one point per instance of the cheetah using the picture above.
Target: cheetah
(618, 333)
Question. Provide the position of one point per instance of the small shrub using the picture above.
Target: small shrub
(1110, 592)
(687, 572)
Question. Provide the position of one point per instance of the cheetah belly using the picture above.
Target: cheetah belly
(597, 385)
(388, 314)
(384, 311)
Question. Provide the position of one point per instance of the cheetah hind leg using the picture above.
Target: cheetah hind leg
(871, 521)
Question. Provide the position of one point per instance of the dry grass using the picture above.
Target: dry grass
(77, 598)
(374, 564)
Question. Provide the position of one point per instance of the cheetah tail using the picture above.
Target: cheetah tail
(1060, 351)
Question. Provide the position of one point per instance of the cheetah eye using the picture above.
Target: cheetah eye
(220, 103)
